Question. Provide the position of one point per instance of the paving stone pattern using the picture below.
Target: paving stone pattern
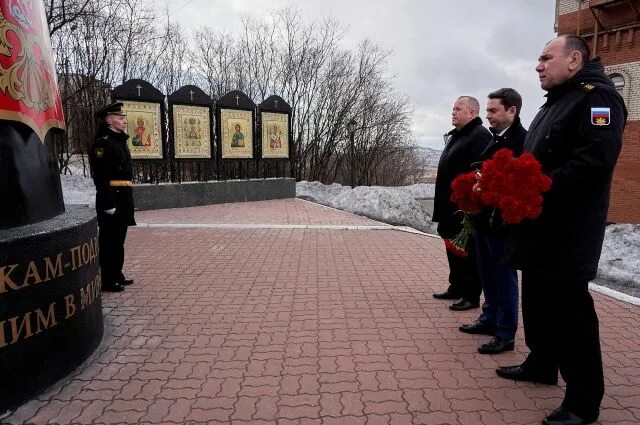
(304, 326)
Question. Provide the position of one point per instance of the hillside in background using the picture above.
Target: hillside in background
(430, 158)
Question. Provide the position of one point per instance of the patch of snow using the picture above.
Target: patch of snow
(320, 193)
(419, 191)
(78, 190)
(620, 259)
(387, 204)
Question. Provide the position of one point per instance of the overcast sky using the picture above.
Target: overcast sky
(441, 49)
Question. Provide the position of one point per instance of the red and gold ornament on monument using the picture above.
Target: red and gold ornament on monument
(28, 84)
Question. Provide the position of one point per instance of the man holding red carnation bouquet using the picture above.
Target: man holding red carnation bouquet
(576, 137)
(499, 279)
(465, 144)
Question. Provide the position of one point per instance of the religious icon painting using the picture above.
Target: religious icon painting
(143, 127)
(191, 131)
(236, 129)
(275, 135)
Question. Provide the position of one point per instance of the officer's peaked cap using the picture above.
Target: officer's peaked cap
(112, 109)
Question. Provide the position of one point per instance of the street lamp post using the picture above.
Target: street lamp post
(351, 128)
(446, 137)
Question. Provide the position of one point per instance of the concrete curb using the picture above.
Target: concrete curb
(620, 296)
(406, 229)
(262, 226)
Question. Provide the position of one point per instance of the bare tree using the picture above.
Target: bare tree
(213, 57)
(84, 60)
(174, 69)
(61, 13)
(108, 43)
(138, 42)
(279, 53)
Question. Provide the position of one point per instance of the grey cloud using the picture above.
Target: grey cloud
(440, 49)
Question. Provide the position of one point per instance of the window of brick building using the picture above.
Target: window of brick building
(618, 81)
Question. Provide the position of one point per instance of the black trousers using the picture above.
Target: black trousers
(464, 279)
(561, 330)
(111, 236)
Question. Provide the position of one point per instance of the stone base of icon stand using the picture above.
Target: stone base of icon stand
(192, 194)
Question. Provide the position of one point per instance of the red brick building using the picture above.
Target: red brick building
(612, 28)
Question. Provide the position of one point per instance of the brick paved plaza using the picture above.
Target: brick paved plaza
(287, 312)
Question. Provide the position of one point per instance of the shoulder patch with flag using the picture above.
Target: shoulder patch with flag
(600, 116)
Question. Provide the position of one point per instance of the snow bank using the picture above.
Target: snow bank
(78, 190)
(396, 206)
(620, 259)
(419, 191)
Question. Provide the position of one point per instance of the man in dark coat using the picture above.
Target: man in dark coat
(577, 137)
(112, 174)
(465, 144)
(499, 279)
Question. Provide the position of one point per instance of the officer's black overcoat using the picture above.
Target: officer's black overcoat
(111, 160)
(577, 137)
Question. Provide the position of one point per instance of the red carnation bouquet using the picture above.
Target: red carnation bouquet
(470, 202)
(512, 186)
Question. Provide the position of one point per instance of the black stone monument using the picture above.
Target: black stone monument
(50, 304)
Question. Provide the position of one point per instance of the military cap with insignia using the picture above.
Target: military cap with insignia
(112, 109)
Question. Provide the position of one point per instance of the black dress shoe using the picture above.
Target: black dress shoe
(446, 295)
(126, 282)
(462, 305)
(496, 346)
(112, 287)
(562, 416)
(517, 373)
(477, 327)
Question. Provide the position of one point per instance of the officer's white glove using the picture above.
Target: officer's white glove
(110, 211)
